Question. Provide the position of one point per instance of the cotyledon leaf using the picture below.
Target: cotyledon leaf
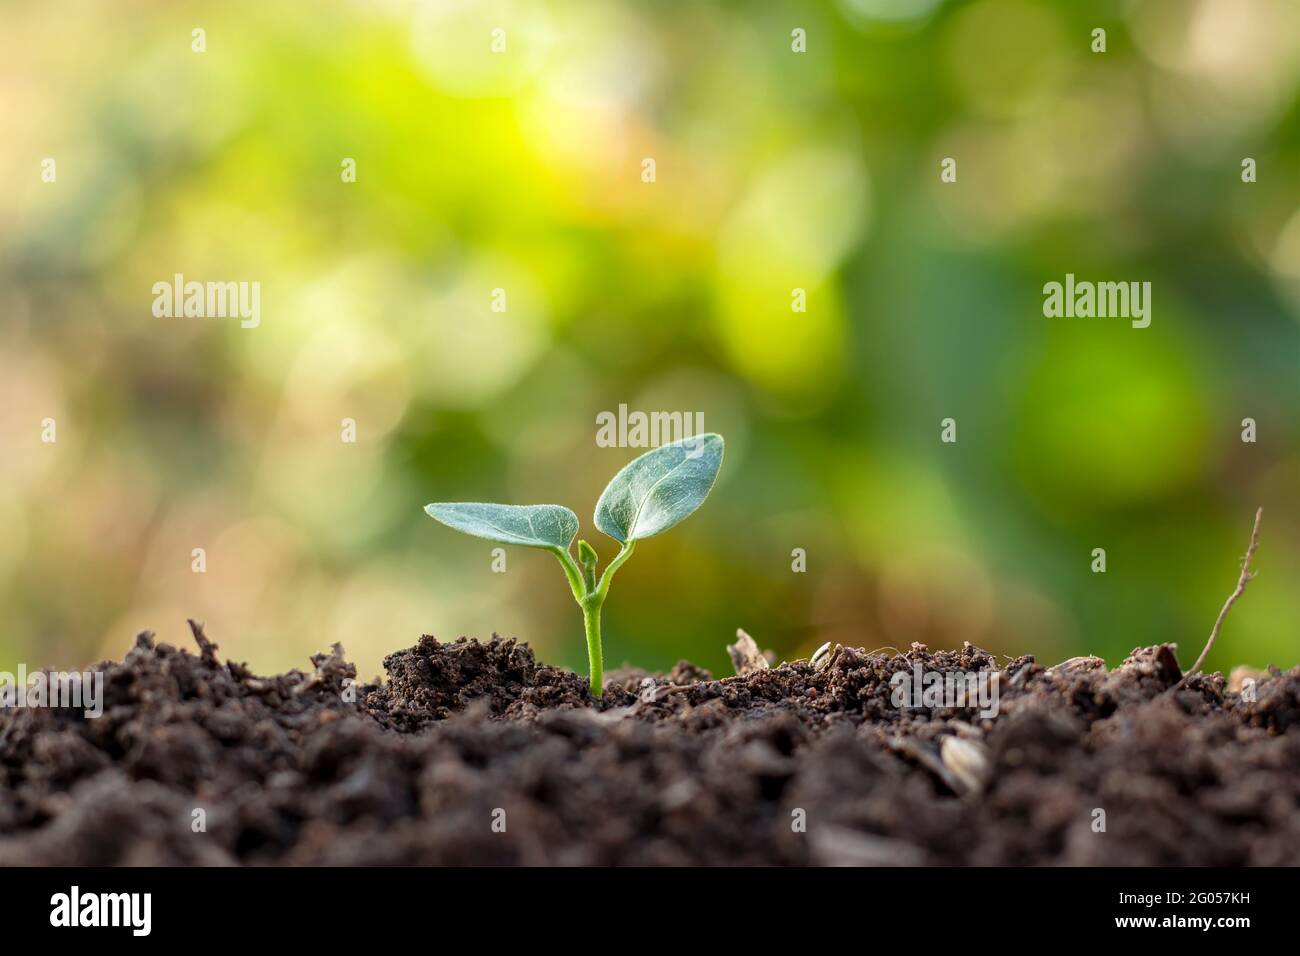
(534, 526)
(654, 492)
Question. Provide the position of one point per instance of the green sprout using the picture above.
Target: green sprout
(651, 494)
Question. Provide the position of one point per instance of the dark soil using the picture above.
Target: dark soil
(674, 769)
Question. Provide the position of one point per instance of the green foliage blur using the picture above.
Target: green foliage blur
(522, 170)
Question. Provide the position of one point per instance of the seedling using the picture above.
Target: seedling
(651, 494)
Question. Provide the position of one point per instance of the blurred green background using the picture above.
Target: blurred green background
(522, 171)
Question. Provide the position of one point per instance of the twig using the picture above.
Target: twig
(1240, 589)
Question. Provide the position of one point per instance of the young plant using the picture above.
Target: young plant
(651, 494)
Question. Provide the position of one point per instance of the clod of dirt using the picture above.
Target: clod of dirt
(801, 763)
(430, 682)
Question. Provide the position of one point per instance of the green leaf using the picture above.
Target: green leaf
(659, 489)
(534, 526)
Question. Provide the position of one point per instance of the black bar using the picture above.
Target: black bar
(329, 905)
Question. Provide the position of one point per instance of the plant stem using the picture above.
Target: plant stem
(603, 588)
(595, 662)
(590, 596)
(572, 573)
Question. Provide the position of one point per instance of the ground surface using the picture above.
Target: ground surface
(671, 769)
